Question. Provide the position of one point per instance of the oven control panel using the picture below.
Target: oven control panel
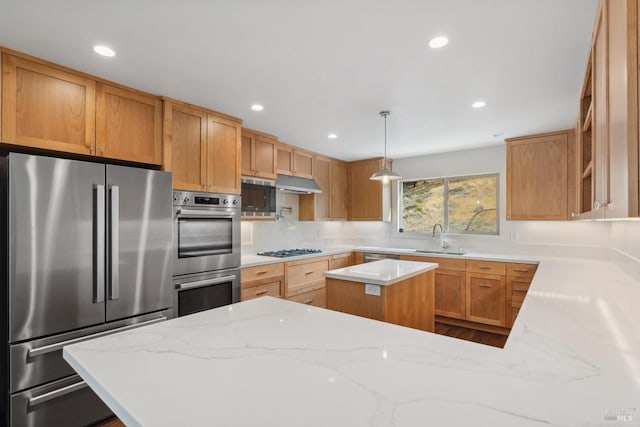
(203, 200)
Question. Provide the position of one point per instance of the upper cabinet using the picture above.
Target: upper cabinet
(259, 154)
(370, 200)
(331, 177)
(201, 148)
(295, 161)
(128, 125)
(44, 107)
(52, 108)
(607, 148)
(538, 176)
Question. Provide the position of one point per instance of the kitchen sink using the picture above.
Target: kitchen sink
(439, 252)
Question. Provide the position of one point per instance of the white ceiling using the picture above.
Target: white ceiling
(321, 66)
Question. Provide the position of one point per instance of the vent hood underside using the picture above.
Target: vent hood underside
(297, 185)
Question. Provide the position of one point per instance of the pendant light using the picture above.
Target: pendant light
(385, 175)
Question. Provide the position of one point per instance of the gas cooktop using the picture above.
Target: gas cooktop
(290, 252)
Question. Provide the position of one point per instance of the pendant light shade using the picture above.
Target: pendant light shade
(385, 175)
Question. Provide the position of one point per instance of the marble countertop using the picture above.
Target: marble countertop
(384, 272)
(572, 359)
(251, 260)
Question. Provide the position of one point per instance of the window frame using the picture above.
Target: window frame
(445, 226)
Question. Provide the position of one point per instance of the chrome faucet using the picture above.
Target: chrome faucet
(443, 245)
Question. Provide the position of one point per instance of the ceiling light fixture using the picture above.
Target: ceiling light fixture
(257, 107)
(332, 136)
(385, 175)
(438, 42)
(478, 104)
(104, 50)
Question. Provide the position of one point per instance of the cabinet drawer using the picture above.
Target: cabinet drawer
(489, 267)
(519, 290)
(271, 289)
(316, 297)
(515, 309)
(306, 277)
(521, 270)
(262, 272)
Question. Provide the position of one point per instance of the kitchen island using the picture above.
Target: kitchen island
(399, 292)
(572, 359)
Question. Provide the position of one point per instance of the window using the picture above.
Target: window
(464, 204)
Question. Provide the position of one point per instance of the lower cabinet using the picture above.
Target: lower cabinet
(262, 280)
(450, 293)
(304, 280)
(486, 299)
(341, 261)
(519, 278)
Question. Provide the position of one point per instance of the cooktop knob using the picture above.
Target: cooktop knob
(235, 202)
(226, 201)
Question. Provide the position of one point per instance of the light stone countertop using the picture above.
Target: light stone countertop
(572, 359)
(384, 272)
(251, 260)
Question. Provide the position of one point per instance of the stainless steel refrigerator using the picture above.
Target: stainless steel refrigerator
(86, 250)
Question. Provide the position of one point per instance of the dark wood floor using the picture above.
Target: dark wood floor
(495, 340)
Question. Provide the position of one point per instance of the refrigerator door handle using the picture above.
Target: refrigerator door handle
(114, 242)
(63, 391)
(98, 250)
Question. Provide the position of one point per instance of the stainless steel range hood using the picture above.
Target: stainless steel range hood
(297, 185)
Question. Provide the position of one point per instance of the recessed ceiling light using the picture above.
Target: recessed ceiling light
(438, 42)
(478, 104)
(104, 50)
(257, 107)
(332, 136)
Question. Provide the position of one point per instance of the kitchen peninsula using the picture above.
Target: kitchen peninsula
(399, 292)
(570, 354)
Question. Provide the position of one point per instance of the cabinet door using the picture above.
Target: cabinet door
(486, 299)
(303, 164)
(128, 125)
(185, 147)
(338, 192)
(537, 178)
(46, 108)
(285, 160)
(600, 115)
(366, 195)
(323, 179)
(450, 293)
(247, 146)
(340, 261)
(264, 157)
(223, 155)
(317, 298)
(251, 291)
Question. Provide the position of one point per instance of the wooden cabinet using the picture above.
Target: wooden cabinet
(201, 148)
(450, 285)
(331, 177)
(259, 154)
(340, 261)
(185, 145)
(518, 280)
(538, 176)
(304, 281)
(262, 280)
(44, 107)
(608, 169)
(316, 297)
(128, 125)
(295, 161)
(486, 298)
(369, 200)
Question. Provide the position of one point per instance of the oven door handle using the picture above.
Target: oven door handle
(207, 282)
(200, 213)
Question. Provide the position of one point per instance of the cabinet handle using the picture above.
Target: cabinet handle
(308, 301)
(261, 293)
(597, 204)
(102, 149)
(485, 286)
(308, 273)
(520, 290)
(521, 270)
(484, 267)
(91, 148)
(573, 214)
(263, 272)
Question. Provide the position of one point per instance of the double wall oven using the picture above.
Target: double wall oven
(206, 237)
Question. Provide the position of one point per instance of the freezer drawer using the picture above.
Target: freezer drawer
(37, 362)
(68, 402)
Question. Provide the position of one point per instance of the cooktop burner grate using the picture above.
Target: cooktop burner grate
(290, 252)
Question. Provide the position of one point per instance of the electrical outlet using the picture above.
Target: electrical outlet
(515, 236)
(370, 289)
